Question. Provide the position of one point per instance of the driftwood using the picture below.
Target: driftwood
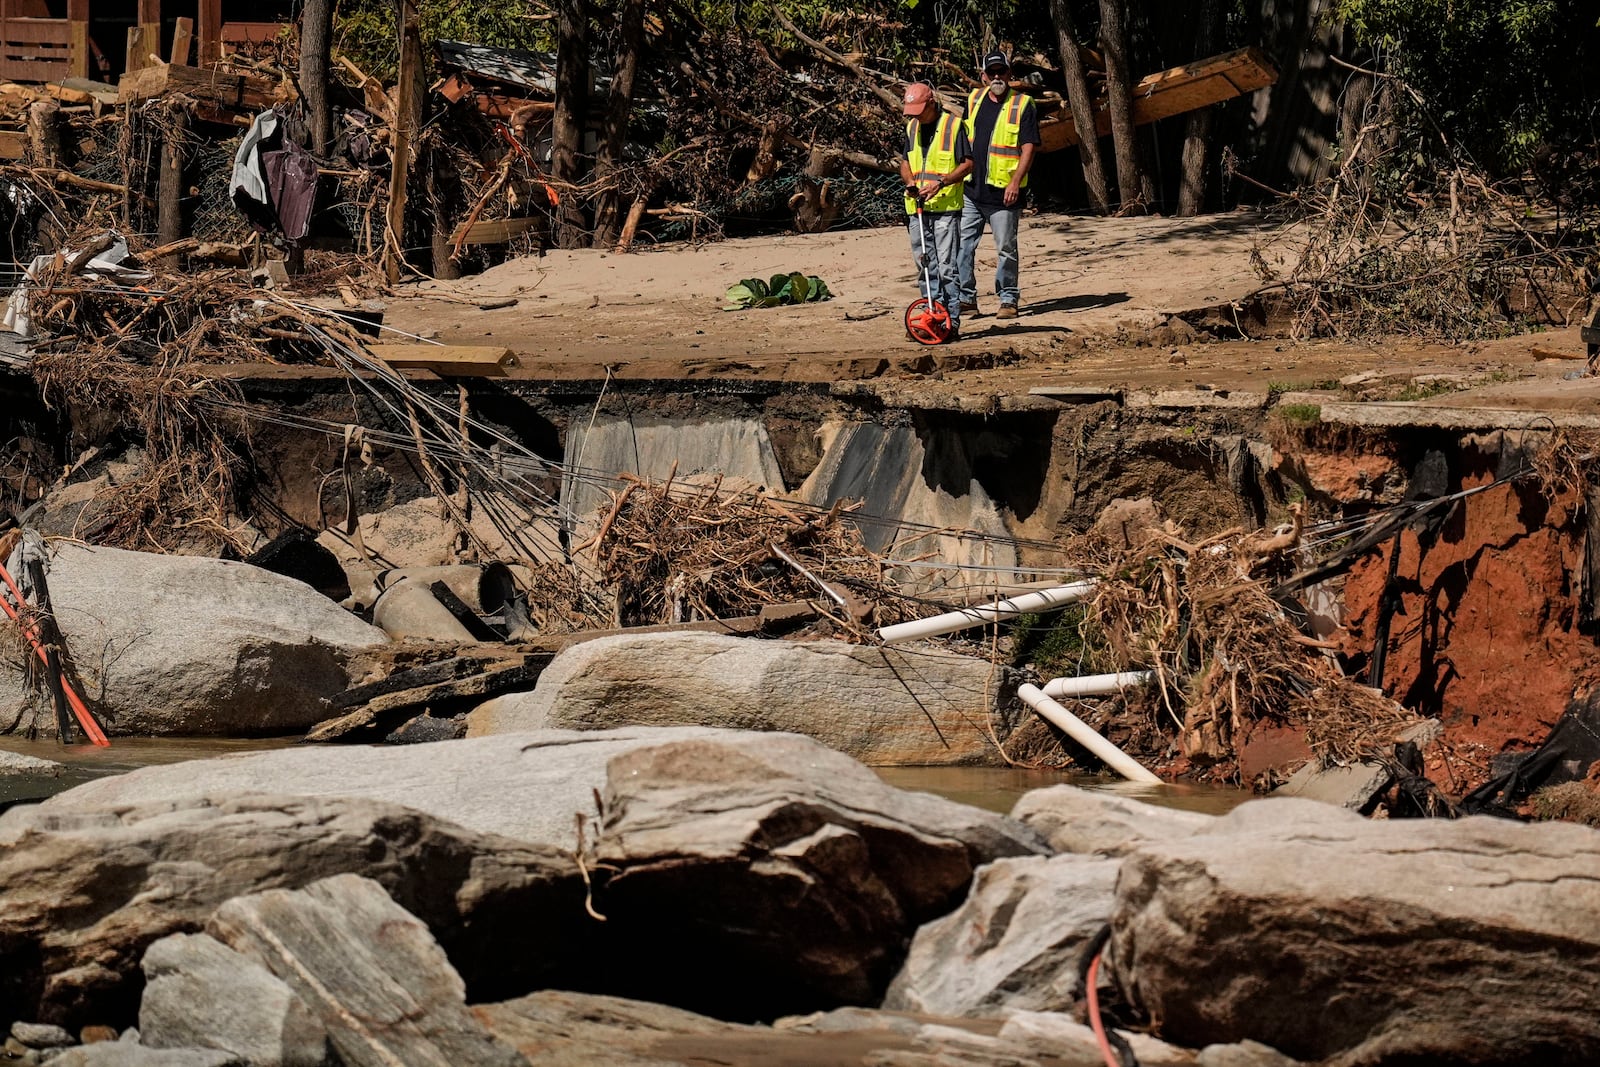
(815, 204)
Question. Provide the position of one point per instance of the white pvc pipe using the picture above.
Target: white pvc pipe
(950, 622)
(1093, 685)
(1084, 734)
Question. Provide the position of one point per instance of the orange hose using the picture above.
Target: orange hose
(80, 711)
(1094, 1013)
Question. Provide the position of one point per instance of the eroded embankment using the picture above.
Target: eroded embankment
(1487, 606)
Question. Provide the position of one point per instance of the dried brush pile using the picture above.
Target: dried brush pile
(1410, 238)
(1225, 654)
(133, 362)
(676, 553)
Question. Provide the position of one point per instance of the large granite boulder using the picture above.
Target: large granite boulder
(1330, 937)
(1101, 822)
(371, 972)
(531, 786)
(883, 706)
(84, 893)
(1014, 944)
(776, 856)
(528, 787)
(745, 852)
(188, 645)
(562, 1029)
(199, 993)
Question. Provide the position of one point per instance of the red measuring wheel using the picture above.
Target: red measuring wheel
(928, 321)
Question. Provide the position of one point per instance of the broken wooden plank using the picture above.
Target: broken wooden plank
(241, 91)
(497, 232)
(774, 618)
(13, 144)
(460, 361)
(1173, 92)
(182, 41)
(384, 712)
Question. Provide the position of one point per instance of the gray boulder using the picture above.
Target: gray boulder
(737, 850)
(525, 786)
(883, 706)
(528, 787)
(555, 1028)
(41, 1035)
(781, 858)
(161, 868)
(1014, 943)
(128, 1054)
(1094, 821)
(16, 765)
(559, 1029)
(374, 974)
(1330, 937)
(199, 993)
(187, 645)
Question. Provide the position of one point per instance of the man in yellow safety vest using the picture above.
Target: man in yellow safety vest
(934, 160)
(1003, 128)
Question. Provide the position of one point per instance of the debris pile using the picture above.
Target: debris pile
(1225, 656)
(677, 552)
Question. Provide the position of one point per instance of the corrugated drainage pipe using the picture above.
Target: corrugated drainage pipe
(1084, 734)
(1093, 685)
(950, 622)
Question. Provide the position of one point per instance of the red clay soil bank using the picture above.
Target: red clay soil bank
(1487, 638)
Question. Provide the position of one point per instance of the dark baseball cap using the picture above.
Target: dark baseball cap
(996, 59)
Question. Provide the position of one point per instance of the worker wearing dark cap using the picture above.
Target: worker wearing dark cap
(934, 160)
(1004, 130)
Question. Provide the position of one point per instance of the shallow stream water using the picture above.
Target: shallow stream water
(994, 788)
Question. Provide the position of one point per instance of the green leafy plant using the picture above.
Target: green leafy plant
(795, 288)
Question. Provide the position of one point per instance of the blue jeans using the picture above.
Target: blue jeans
(1003, 221)
(941, 282)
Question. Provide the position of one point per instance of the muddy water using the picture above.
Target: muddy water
(84, 763)
(997, 788)
(994, 788)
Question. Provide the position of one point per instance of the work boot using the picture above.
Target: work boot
(953, 336)
(969, 305)
(1007, 311)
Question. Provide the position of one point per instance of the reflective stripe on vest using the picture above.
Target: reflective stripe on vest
(1005, 153)
(940, 162)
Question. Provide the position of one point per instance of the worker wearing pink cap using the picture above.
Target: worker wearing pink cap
(935, 159)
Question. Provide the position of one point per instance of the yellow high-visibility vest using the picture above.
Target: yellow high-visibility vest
(1005, 154)
(941, 161)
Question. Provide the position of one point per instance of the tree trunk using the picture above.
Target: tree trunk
(169, 183)
(607, 216)
(1078, 95)
(408, 122)
(44, 133)
(316, 32)
(1119, 87)
(815, 204)
(572, 107)
(1197, 135)
(439, 222)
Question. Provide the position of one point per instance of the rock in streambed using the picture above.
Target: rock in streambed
(182, 645)
(883, 706)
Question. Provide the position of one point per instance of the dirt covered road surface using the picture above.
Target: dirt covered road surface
(1141, 303)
